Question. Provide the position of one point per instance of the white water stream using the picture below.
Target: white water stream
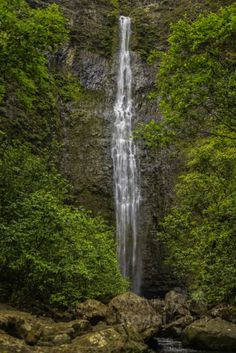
(127, 194)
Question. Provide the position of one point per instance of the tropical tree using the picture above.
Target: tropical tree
(196, 83)
(49, 251)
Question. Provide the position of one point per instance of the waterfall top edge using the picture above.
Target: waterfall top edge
(125, 18)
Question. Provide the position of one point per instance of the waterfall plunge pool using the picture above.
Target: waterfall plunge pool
(169, 345)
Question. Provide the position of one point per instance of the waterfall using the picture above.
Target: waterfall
(127, 194)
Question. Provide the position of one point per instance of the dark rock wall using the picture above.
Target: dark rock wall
(89, 124)
(92, 56)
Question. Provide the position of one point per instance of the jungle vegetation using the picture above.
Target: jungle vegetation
(196, 83)
(50, 251)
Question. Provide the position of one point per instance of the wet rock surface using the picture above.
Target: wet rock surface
(213, 334)
(175, 313)
(196, 325)
(22, 329)
(225, 312)
(175, 307)
(136, 314)
(174, 329)
(107, 339)
(128, 323)
(22, 332)
(95, 312)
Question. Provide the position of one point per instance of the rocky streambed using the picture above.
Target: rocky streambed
(128, 323)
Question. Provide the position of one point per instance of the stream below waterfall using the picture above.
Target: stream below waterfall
(168, 345)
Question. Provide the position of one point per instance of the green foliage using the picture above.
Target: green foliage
(151, 20)
(154, 134)
(26, 35)
(69, 88)
(95, 33)
(27, 88)
(49, 251)
(22, 173)
(200, 229)
(197, 77)
(196, 83)
(147, 32)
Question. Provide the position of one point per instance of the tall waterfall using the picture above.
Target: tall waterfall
(127, 194)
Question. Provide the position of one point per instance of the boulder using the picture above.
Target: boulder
(136, 314)
(225, 312)
(61, 333)
(11, 344)
(175, 306)
(198, 308)
(23, 332)
(174, 329)
(106, 340)
(20, 325)
(61, 339)
(213, 334)
(93, 311)
(158, 305)
(175, 297)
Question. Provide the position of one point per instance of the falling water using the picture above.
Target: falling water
(127, 193)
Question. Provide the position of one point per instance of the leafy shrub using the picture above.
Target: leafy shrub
(196, 83)
(50, 251)
(28, 93)
(200, 229)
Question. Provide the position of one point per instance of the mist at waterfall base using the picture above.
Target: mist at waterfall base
(126, 176)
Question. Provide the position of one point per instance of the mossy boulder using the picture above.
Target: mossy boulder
(23, 329)
(136, 314)
(25, 333)
(94, 311)
(225, 312)
(9, 344)
(213, 334)
(176, 306)
(106, 339)
(175, 328)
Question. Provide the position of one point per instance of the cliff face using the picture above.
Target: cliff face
(87, 122)
(89, 128)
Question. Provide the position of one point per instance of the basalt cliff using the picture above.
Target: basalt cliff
(87, 121)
